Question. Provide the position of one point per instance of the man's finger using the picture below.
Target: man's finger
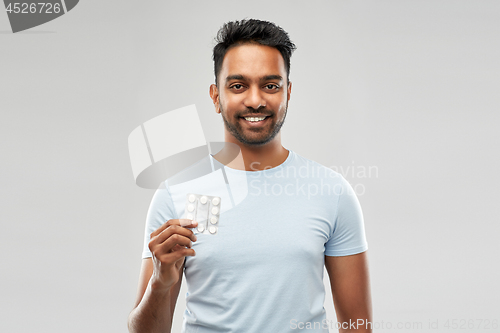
(159, 230)
(172, 230)
(176, 239)
(187, 223)
(182, 222)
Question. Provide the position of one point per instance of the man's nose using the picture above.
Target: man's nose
(254, 98)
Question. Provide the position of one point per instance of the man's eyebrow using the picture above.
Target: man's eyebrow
(264, 78)
(235, 77)
(271, 77)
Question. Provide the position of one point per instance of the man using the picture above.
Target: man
(263, 271)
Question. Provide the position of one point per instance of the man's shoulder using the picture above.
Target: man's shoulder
(310, 168)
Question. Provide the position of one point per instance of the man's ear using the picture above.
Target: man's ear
(214, 95)
(289, 90)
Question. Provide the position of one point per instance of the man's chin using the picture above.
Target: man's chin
(254, 141)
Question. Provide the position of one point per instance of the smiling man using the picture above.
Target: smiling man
(252, 89)
(263, 271)
(260, 119)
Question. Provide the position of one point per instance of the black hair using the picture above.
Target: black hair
(251, 31)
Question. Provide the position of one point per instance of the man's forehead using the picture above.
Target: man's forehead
(253, 61)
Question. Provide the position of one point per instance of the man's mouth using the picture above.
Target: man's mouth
(255, 120)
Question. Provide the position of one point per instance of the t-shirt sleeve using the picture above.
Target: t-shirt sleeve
(161, 209)
(348, 236)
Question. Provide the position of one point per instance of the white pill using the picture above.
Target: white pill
(213, 219)
(190, 216)
(212, 229)
(190, 207)
(201, 228)
(192, 198)
(215, 201)
(203, 199)
(215, 210)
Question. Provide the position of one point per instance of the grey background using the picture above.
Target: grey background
(410, 87)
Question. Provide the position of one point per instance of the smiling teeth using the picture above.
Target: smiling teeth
(255, 118)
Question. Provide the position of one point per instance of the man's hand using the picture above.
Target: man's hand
(170, 244)
(161, 277)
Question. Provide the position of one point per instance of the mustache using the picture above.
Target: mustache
(250, 111)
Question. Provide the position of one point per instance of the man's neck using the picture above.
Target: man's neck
(253, 158)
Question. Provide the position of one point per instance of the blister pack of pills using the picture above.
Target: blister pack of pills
(205, 210)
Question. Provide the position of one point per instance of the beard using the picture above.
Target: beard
(257, 137)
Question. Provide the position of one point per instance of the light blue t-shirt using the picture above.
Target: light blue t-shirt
(263, 270)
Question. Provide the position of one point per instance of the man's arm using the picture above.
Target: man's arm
(161, 277)
(154, 308)
(350, 284)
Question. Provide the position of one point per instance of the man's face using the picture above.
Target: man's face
(252, 85)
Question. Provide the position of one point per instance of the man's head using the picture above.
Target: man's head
(251, 31)
(252, 64)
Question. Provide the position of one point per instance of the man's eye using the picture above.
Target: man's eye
(272, 86)
(237, 86)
